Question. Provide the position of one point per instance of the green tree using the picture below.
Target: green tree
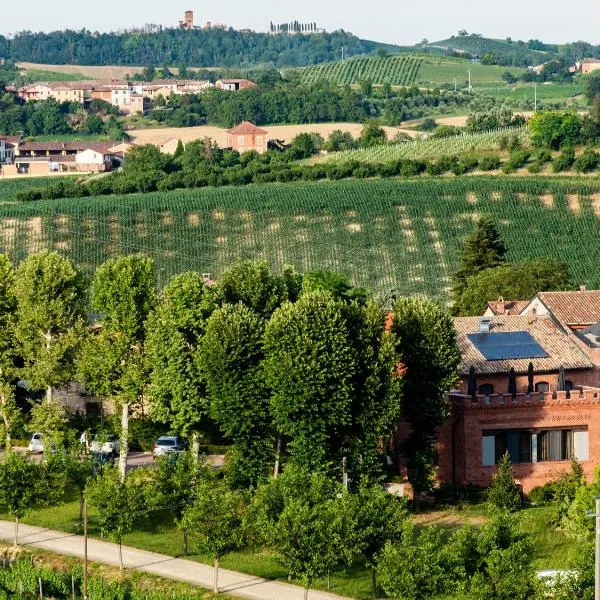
(118, 504)
(309, 365)
(591, 86)
(252, 284)
(376, 390)
(50, 294)
(430, 355)
(414, 568)
(517, 281)
(179, 151)
(553, 129)
(214, 522)
(371, 135)
(339, 140)
(366, 88)
(113, 364)
(24, 484)
(483, 249)
(230, 356)
(309, 521)
(8, 350)
(176, 483)
(176, 392)
(380, 519)
(50, 419)
(504, 493)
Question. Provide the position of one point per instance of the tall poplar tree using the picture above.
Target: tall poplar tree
(8, 350)
(177, 393)
(50, 294)
(309, 365)
(230, 356)
(113, 363)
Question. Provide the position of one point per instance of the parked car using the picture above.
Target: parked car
(37, 443)
(166, 444)
(108, 444)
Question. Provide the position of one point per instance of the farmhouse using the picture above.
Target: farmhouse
(589, 65)
(247, 136)
(234, 85)
(8, 144)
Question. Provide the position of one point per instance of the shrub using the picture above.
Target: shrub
(587, 162)
(490, 162)
(144, 432)
(564, 161)
(504, 492)
(517, 159)
(535, 167)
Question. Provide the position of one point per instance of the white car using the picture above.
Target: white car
(167, 444)
(109, 444)
(37, 443)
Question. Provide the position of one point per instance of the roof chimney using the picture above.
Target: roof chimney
(484, 324)
(501, 306)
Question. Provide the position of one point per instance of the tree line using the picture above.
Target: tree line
(173, 47)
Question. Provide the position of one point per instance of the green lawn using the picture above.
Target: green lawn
(160, 535)
(551, 92)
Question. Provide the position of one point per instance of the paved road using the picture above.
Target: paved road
(235, 584)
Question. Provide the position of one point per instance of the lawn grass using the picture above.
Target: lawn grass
(437, 70)
(160, 535)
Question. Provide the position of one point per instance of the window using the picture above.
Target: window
(240, 140)
(542, 386)
(517, 443)
(562, 444)
(486, 389)
(569, 385)
(259, 140)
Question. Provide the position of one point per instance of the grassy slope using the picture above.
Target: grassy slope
(445, 69)
(161, 536)
(386, 234)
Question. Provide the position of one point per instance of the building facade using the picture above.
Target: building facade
(247, 136)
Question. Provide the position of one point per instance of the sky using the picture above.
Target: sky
(392, 21)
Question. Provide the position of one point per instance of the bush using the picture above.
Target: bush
(490, 162)
(504, 493)
(144, 432)
(516, 160)
(587, 162)
(564, 161)
(535, 167)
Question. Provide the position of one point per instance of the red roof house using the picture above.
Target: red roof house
(247, 136)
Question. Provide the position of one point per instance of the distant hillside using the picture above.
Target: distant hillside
(396, 70)
(505, 52)
(201, 48)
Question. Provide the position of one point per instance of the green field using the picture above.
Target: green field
(39, 75)
(396, 70)
(550, 92)
(385, 234)
(443, 69)
(8, 187)
(431, 147)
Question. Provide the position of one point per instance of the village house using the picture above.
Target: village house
(234, 85)
(247, 136)
(527, 388)
(8, 145)
(589, 65)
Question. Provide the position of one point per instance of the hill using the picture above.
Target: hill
(395, 70)
(199, 48)
(506, 52)
(385, 234)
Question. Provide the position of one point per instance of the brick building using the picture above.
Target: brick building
(543, 414)
(246, 136)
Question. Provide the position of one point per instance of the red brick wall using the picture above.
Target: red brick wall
(460, 438)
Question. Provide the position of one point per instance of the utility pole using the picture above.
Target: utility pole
(85, 550)
(345, 472)
(342, 53)
(469, 80)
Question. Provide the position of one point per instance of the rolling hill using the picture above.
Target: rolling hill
(387, 235)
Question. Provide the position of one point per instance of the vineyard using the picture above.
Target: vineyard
(396, 70)
(432, 147)
(9, 187)
(385, 234)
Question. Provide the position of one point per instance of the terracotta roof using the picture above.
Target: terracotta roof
(559, 346)
(245, 127)
(573, 308)
(507, 307)
(66, 146)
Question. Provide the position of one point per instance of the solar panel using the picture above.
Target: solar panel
(506, 345)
